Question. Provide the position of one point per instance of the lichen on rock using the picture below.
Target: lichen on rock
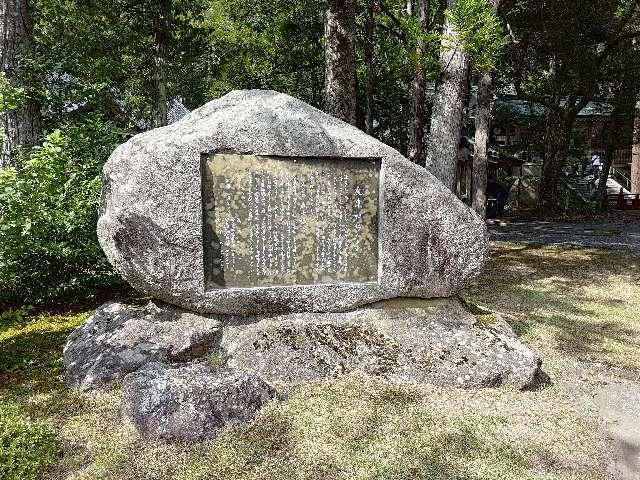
(118, 339)
(433, 341)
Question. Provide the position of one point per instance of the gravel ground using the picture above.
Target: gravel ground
(618, 233)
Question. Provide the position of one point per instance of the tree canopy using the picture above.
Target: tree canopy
(95, 72)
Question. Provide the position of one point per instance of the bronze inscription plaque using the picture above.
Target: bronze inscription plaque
(275, 221)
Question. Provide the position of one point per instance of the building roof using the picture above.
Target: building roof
(496, 155)
(522, 107)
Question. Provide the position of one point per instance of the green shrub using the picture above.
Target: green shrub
(48, 211)
(27, 449)
(10, 317)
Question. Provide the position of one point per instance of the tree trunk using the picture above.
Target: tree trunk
(448, 109)
(161, 38)
(438, 14)
(340, 61)
(483, 127)
(611, 147)
(558, 127)
(410, 7)
(369, 44)
(20, 126)
(635, 156)
(416, 148)
(481, 151)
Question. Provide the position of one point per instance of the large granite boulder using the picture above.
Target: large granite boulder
(118, 339)
(408, 235)
(425, 341)
(433, 341)
(192, 402)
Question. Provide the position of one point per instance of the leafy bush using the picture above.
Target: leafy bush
(10, 317)
(48, 211)
(10, 96)
(27, 449)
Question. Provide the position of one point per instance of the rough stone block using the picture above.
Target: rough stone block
(191, 402)
(118, 339)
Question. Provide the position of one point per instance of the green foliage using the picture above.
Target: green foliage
(74, 63)
(10, 97)
(270, 45)
(27, 449)
(8, 317)
(479, 32)
(48, 213)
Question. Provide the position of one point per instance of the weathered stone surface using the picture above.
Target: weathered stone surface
(151, 219)
(430, 341)
(118, 339)
(191, 402)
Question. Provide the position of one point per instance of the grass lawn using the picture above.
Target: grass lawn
(569, 303)
(580, 308)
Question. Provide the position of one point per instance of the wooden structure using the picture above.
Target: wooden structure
(625, 201)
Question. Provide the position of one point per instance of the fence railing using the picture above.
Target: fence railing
(621, 178)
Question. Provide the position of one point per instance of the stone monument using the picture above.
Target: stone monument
(259, 203)
(278, 236)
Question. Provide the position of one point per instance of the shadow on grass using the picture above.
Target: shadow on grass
(291, 443)
(31, 356)
(572, 290)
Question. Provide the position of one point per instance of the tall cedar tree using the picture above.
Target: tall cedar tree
(161, 38)
(483, 127)
(340, 60)
(20, 126)
(449, 105)
(419, 90)
(373, 8)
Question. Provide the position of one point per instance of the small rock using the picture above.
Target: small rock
(118, 339)
(192, 402)
(429, 341)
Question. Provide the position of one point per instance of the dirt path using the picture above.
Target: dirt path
(619, 406)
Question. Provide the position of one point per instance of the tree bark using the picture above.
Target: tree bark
(369, 43)
(416, 148)
(635, 155)
(340, 61)
(611, 147)
(481, 151)
(483, 127)
(558, 127)
(448, 109)
(161, 39)
(20, 126)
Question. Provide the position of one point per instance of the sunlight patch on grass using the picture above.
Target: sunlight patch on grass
(580, 302)
(568, 303)
(34, 342)
(355, 429)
